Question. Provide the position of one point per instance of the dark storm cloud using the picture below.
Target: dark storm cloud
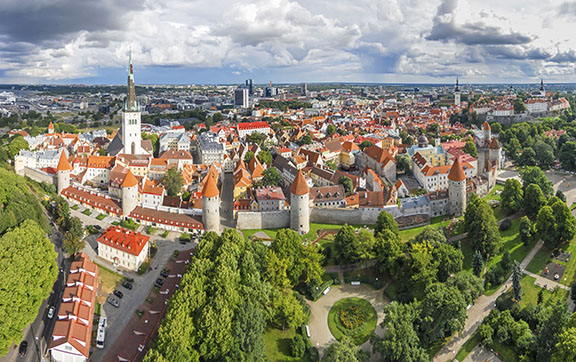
(445, 29)
(46, 23)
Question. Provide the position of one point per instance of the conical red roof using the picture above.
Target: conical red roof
(486, 126)
(210, 187)
(457, 171)
(299, 186)
(63, 164)
(494, 144)
(130, 180)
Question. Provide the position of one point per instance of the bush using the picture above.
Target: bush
(129, 224)
(352, 317)
(75, 207)
(143, 268)
(494, 276)
(184, 238)
(150, 230)
(297, 346)
(165, 234)
(101, 217)
(505, 225)
(87, 212)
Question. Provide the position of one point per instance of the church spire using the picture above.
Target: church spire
(131, 104)
(457, 89)
(541, 84)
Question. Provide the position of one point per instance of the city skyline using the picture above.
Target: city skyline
(287, 41)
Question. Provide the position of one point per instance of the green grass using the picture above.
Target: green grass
(165, 233)
(101, 217)
(469, 346)
(498, 212)
(435, 223)
(570, 272)
(468, 254)
(506, 354)
(75, 207)
(277, 345)
(539, 262)
(311, 235)
(360, 334)
(87, 212)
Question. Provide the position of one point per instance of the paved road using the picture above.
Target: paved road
(564, 181)
(481, 354)
(480, 310)
(545, 282)
(227, 201)
(318, 323)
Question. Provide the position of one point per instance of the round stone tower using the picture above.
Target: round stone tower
(457, 189)
(63, 172)
(300, 205)
(129, 193)
(211, 204)
(494, 152)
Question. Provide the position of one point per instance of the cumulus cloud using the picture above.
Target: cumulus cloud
(289, 40)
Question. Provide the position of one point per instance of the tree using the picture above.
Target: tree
(470, 148)
(248, 156)
(403, 163)
(560, 195)
(297, 346)
(519, 106)
(330, 129)
(544, 155)
(434, 236)
(567, 156)
(533, 200)
(443, 312)
(496, 127)
(506, 261)
(483, 231)
(366, 244)
(74, 227)
(565, 224)
(565, 349)
(486, 334)
(271, 177)
(469, 285)
(546, 228)
(385, 221)
(526, 230)
(172, 181)
(516, 278)
(552, 320)
(512, 196)
(388, 249)
(400, 341)
(72, 244)
(27, 275)
(344, 351)
(346, 245)
(527, 158)
(346, 182)
(513, 147)
(16, 144)
(265, 156)
(287, 310)
(366, 144)
(478, 263)
(534, 175)
(449, 259)
(306, 140)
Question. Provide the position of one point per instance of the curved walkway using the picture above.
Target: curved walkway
(320, 335)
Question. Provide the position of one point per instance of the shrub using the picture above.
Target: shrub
(150, 230)
(352, 317)
(101, 217)
(165, 233)
(185, 238)
(87, 212)
(505, 225)
(494, 276)
(297, 346)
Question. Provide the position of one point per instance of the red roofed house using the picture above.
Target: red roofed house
(247, 128)
(123, 247)
(73, 328)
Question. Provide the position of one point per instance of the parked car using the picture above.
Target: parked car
(164, 273)
(113, 301)
(126, 284)
(51, 312)
(118, 293)
(159, 282)
(23, 348)
(97, 227)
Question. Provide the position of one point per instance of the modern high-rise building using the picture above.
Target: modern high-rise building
(304, 89)
(241, 97)
(270, 91)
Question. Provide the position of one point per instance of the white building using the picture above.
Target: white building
(210, 149)
(123, 247)
(536, 105)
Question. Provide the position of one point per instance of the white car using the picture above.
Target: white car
(51, 312)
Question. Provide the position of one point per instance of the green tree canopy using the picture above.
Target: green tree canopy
(533, 200)
(385, 221)
(512, 196)
(482, 227)
(271, 177)
(344, 351)
(534, 175)
(172, 181)
(347, 183)
(27, 275)
(16, 144)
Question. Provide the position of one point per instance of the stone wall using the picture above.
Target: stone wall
(39, 176)
(365, 215)
(263, 220)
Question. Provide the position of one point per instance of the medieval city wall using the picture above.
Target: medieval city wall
(263, 220)
(365, 215)
(38, 175)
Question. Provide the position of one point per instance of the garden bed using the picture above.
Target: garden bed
(352, 317)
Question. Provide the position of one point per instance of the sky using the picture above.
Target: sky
(287, 41)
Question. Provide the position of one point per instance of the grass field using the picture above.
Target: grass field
(435, 223)
(108, 280)
(277, 345)
(505, 353)
(543, 257)
(360, 334)
(311, 235)
(539, 261)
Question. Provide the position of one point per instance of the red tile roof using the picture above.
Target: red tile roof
(124, 240)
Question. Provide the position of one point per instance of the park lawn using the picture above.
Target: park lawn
(249, 232)
(328, 242)
(468, 347)
(506, 354)
(277, 345)
(101, 217)
(359, 334)
(492, 195)
(311, 235)
(468, 253)
(539, 262)
(570, 272)
(530, 292)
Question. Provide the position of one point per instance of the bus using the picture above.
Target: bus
(101, 334)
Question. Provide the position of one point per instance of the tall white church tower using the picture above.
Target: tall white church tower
(457, 94)
(131, 132)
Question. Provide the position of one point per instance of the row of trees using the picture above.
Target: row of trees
(27, 258)
(230, 292)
